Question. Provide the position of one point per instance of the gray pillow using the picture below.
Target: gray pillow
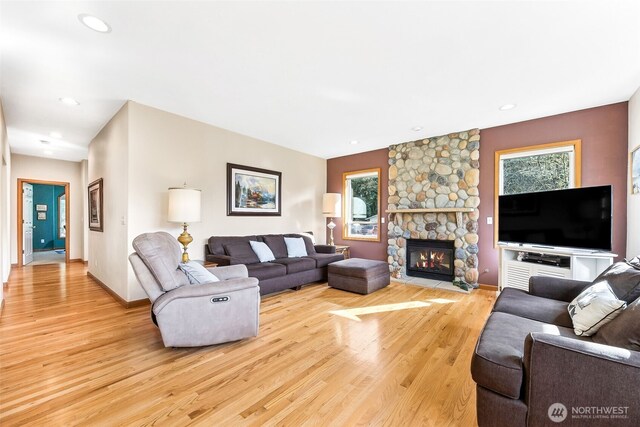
(196, 273)
(624, 330)
(624, 280)
(241, 253)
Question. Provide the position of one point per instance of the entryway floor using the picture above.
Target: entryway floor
(48, 257)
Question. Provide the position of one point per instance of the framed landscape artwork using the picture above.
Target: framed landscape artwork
(635, 171)
(95, 205)
(253, 192)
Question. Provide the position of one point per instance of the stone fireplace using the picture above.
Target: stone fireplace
(433, 194)
(431, 259)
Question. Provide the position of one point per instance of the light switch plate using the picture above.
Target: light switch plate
(489, 220)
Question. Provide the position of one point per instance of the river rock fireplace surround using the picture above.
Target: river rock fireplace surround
(433, 195)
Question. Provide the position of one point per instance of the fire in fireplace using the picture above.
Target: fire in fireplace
(432, 259)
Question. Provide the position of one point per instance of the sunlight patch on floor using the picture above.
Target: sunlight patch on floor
(353, 313)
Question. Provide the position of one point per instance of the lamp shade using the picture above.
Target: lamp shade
(331, 205)
(184, 205)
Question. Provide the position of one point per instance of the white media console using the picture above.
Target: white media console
(583, 265)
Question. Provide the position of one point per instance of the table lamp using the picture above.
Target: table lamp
(331, 203)
(184, 207)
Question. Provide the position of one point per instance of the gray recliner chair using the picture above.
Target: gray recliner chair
(194, 315)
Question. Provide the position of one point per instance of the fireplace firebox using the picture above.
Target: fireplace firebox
(431, 259)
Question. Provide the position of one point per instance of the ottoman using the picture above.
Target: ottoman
(358, 275)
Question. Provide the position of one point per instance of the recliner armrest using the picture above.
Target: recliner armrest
(325, 249)
(207, 289)
(555, 288)
(578, 373)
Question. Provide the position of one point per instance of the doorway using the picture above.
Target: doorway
(43, 222)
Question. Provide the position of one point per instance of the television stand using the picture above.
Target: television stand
(583, 265)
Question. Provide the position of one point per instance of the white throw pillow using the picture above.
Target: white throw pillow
(593, 308)
(310, 236)
(196, 273)
(295, 247)
(262, 251)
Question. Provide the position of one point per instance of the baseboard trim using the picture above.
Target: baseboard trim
(488, 287)
(118, 298)
(76, 260)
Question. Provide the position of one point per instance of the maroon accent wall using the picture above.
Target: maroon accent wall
(604, 135)
(335, 168)
(603, 131)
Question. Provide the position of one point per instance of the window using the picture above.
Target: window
(361, 201)
(543, 167)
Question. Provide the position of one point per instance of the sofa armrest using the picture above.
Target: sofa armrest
(207, 289)
(556, 288)
(578, 374)
(236, 271)
(221, 260)
(325, 249)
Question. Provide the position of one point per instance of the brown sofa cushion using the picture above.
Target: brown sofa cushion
(241, 253)
(216, 243)
(266, 270)
(624, 330)
(523, 304)
(161, 253)
(624, 279)
(497, 361)
(296, 265)
(276, 244)
(322, 260)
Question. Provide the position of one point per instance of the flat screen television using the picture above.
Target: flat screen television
(574, 218)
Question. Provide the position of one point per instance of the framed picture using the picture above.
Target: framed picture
(635, 171)
(253, 191)
(41, 208)
(42, 216)
(95, 205)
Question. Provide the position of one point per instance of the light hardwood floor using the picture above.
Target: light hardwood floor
(70, 355)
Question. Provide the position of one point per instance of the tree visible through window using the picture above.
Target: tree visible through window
(361, 203)
(537, 173)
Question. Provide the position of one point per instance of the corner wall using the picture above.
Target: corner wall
(633, 200)
(108, 159)
(5, 213)
(40, 168)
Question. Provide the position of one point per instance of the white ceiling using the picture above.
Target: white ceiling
(311, 76)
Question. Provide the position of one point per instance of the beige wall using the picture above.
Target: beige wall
(146, 151)
(5, 213)
(633, 201)
(39, 168)
(84, 174)
(108, 159)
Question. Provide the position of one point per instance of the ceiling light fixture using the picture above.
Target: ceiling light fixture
(417, 128)
(68, 101)
(96, 24)
(45, 142)
(354, 142)
(48, 152)
(506, 107)
(56, 135)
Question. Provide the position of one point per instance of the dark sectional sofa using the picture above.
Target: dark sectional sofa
(283, 273)
(528, 358)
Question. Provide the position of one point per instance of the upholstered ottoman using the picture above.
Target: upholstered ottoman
(358, 275)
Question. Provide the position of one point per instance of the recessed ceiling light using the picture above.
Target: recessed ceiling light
(45, 142)
(68, 101)
(96, 24)
(354, 142)
(506, 107)
(56, 135)
(416, 128)
(48, 152)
